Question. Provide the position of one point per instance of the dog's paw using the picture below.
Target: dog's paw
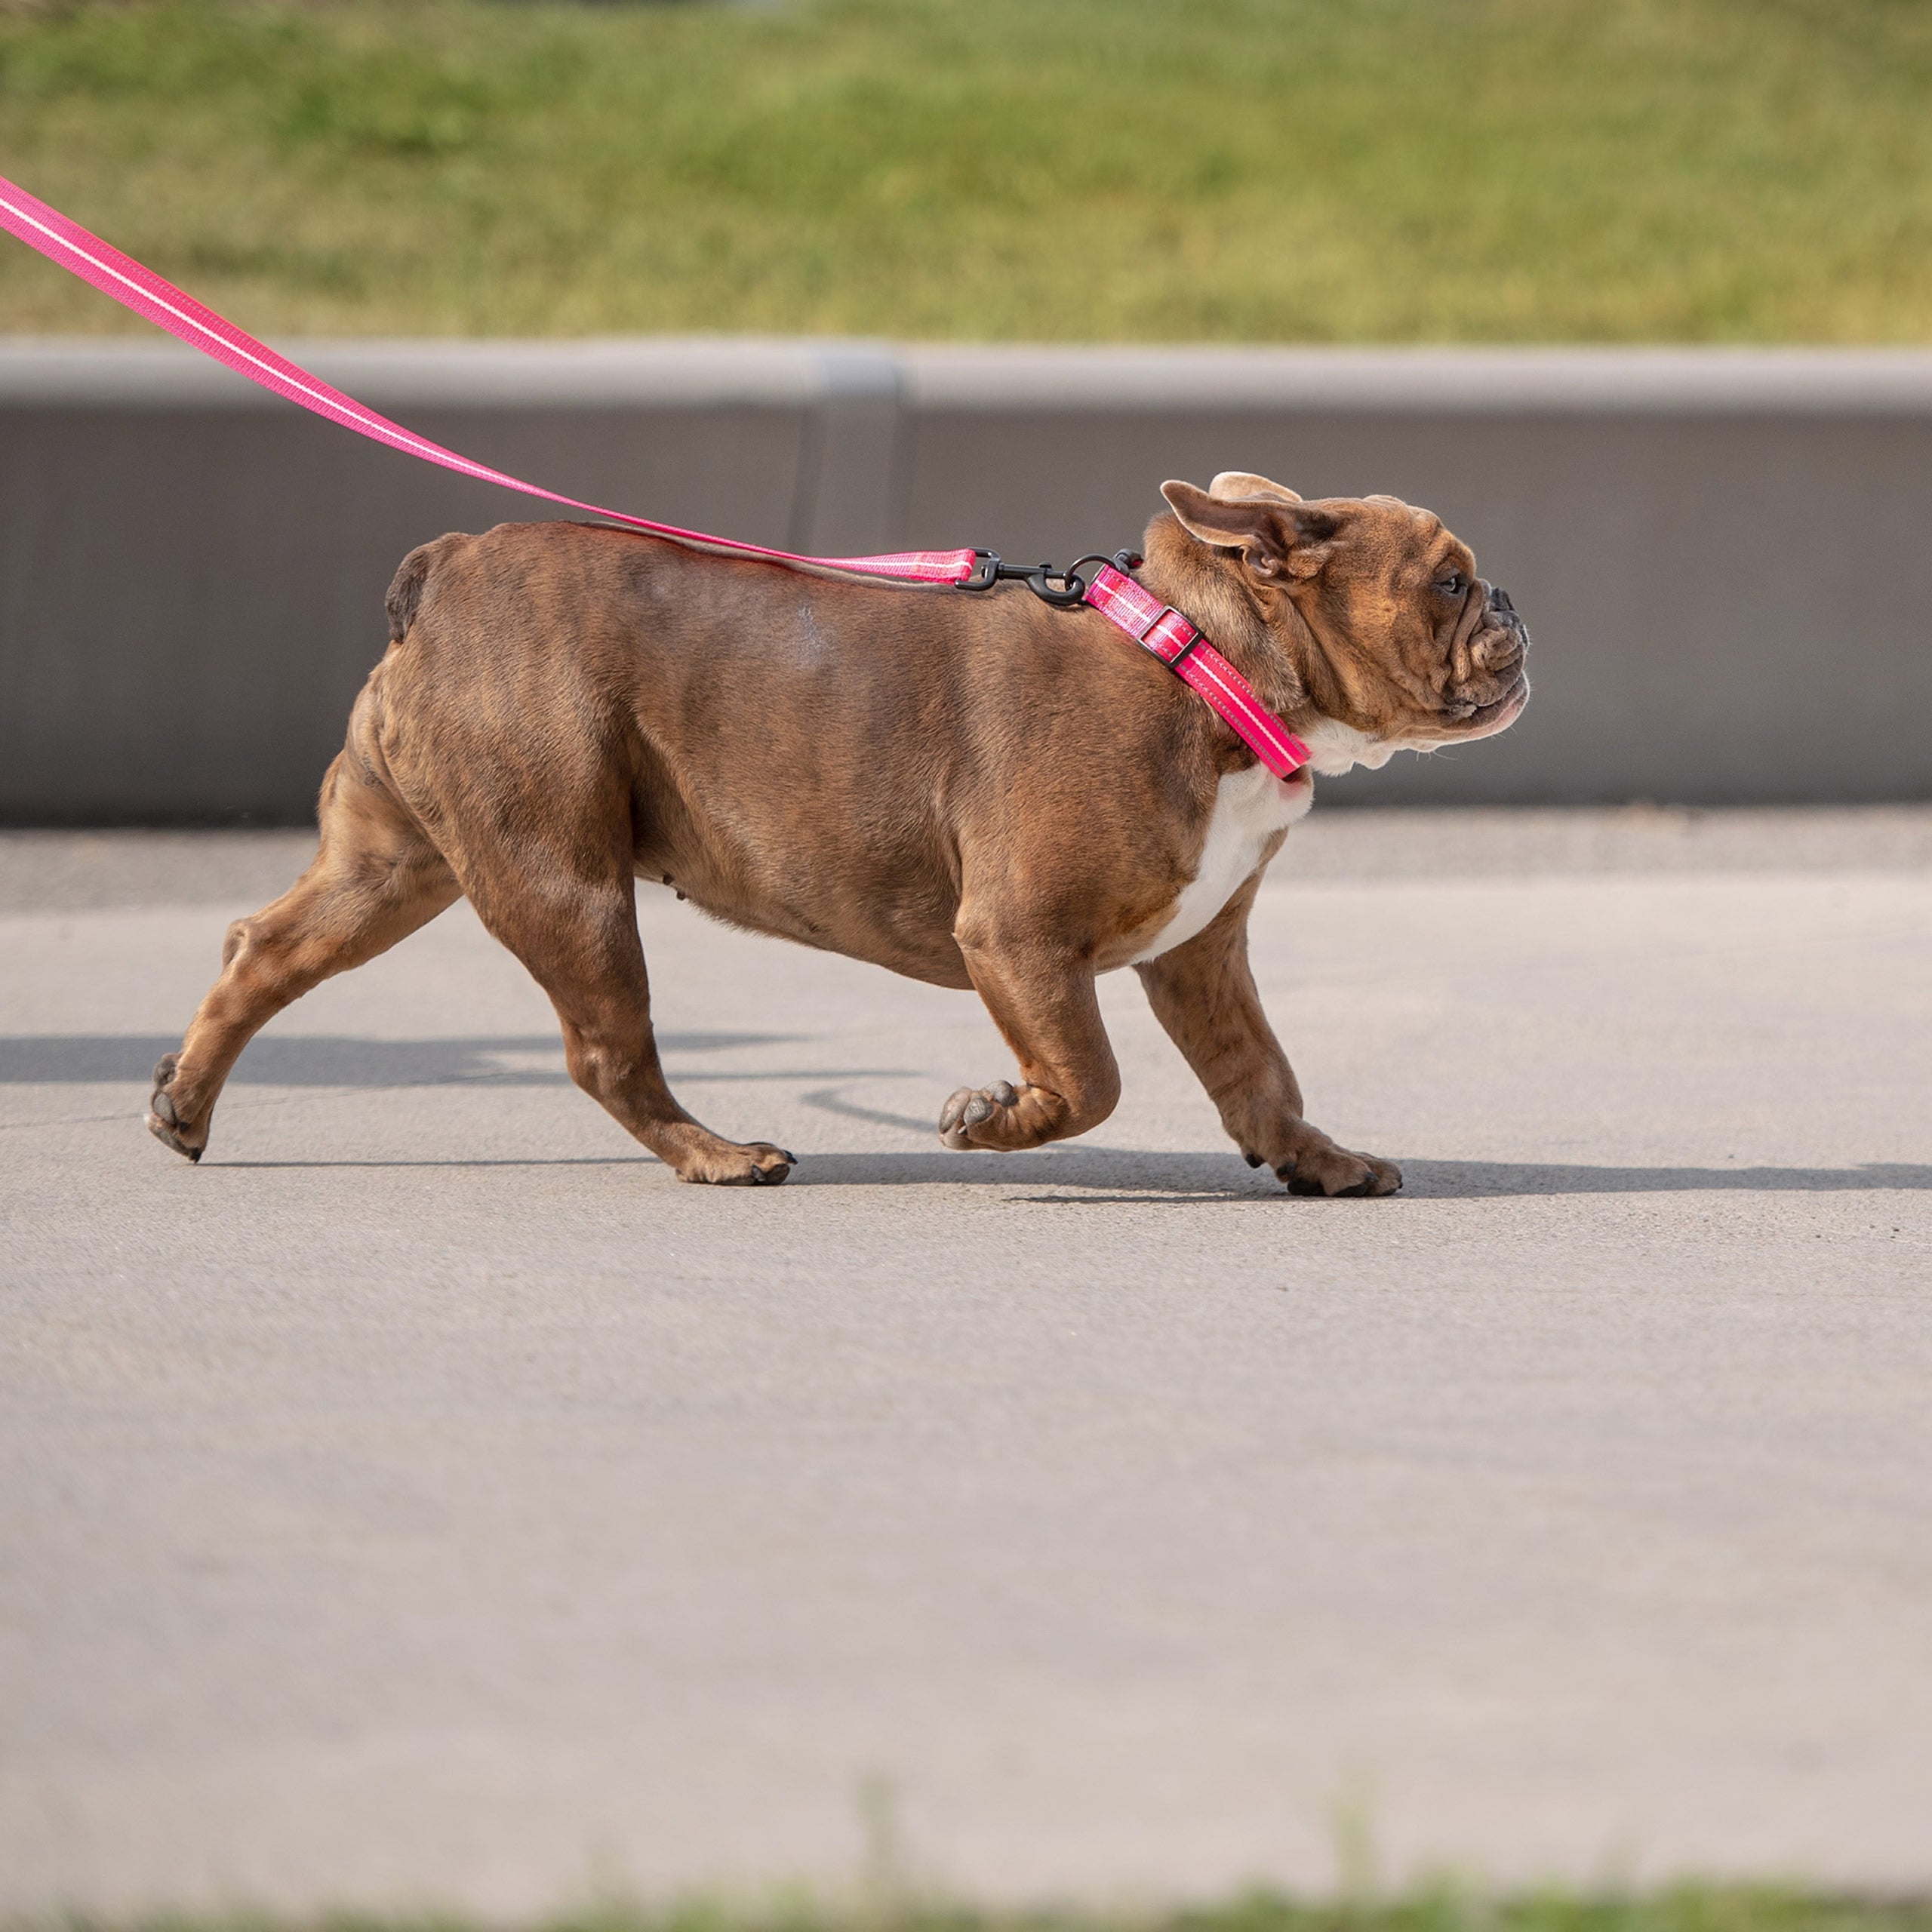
(760, 1164)
(974, 1116)
(164, 1121)
(1330, 1169)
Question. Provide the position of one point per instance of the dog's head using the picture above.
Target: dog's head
(1395, 642)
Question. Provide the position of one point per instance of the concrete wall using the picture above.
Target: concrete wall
(1723, 556)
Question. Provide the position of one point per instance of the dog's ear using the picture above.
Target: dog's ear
(1275, 535)
(1232, 484)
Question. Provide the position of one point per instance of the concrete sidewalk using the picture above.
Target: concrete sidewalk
(427, 1499)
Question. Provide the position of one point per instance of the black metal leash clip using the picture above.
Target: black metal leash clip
(1062, 589)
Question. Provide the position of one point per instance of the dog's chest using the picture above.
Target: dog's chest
(1252, 808)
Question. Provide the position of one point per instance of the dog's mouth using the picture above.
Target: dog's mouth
(1481, 720)
(1500, 712)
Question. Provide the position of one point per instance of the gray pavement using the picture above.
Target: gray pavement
(427, 1499)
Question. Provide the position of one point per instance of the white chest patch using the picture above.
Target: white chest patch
(1250, 807)
(1335, 748)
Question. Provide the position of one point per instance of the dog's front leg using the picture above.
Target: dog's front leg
(1204, 994)
(1042, 998)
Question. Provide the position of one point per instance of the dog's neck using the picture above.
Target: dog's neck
(1210, 588)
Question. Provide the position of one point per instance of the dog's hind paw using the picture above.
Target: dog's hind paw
(1330, 1169)
(760, 1164)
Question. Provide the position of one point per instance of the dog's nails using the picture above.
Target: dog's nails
(194, 1154)
(768, 1176)
(790, 1156)
(1252, 1160)
(978, 1108)
(164, 1110)
(1002, 1091)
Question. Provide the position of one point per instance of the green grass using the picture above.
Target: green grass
(1445, 1908)
(1247, 170)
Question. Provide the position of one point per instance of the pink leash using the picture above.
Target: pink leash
(1158, 628)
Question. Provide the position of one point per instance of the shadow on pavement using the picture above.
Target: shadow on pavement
(639, 1159)
(326, 1060)
(1113, 1176)
(1097, 1177)
(1095, 1173)
(1465, 1180)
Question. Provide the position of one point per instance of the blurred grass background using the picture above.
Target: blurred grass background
(1438, 1907)
(1265, 170)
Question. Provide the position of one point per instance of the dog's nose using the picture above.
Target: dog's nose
(1498, 599)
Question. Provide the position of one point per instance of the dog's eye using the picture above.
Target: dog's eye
(1453, 585)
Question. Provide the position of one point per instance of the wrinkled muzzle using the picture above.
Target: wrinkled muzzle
(1492, 683)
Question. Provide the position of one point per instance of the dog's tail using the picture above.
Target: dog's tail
(412, 577)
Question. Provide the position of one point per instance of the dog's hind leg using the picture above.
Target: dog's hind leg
(571, 916)
(1204, 995)
(375, 879)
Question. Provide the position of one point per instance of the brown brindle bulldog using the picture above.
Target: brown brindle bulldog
(977, 791)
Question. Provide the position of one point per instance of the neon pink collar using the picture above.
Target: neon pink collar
(1161, 628)
(1157, 627)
